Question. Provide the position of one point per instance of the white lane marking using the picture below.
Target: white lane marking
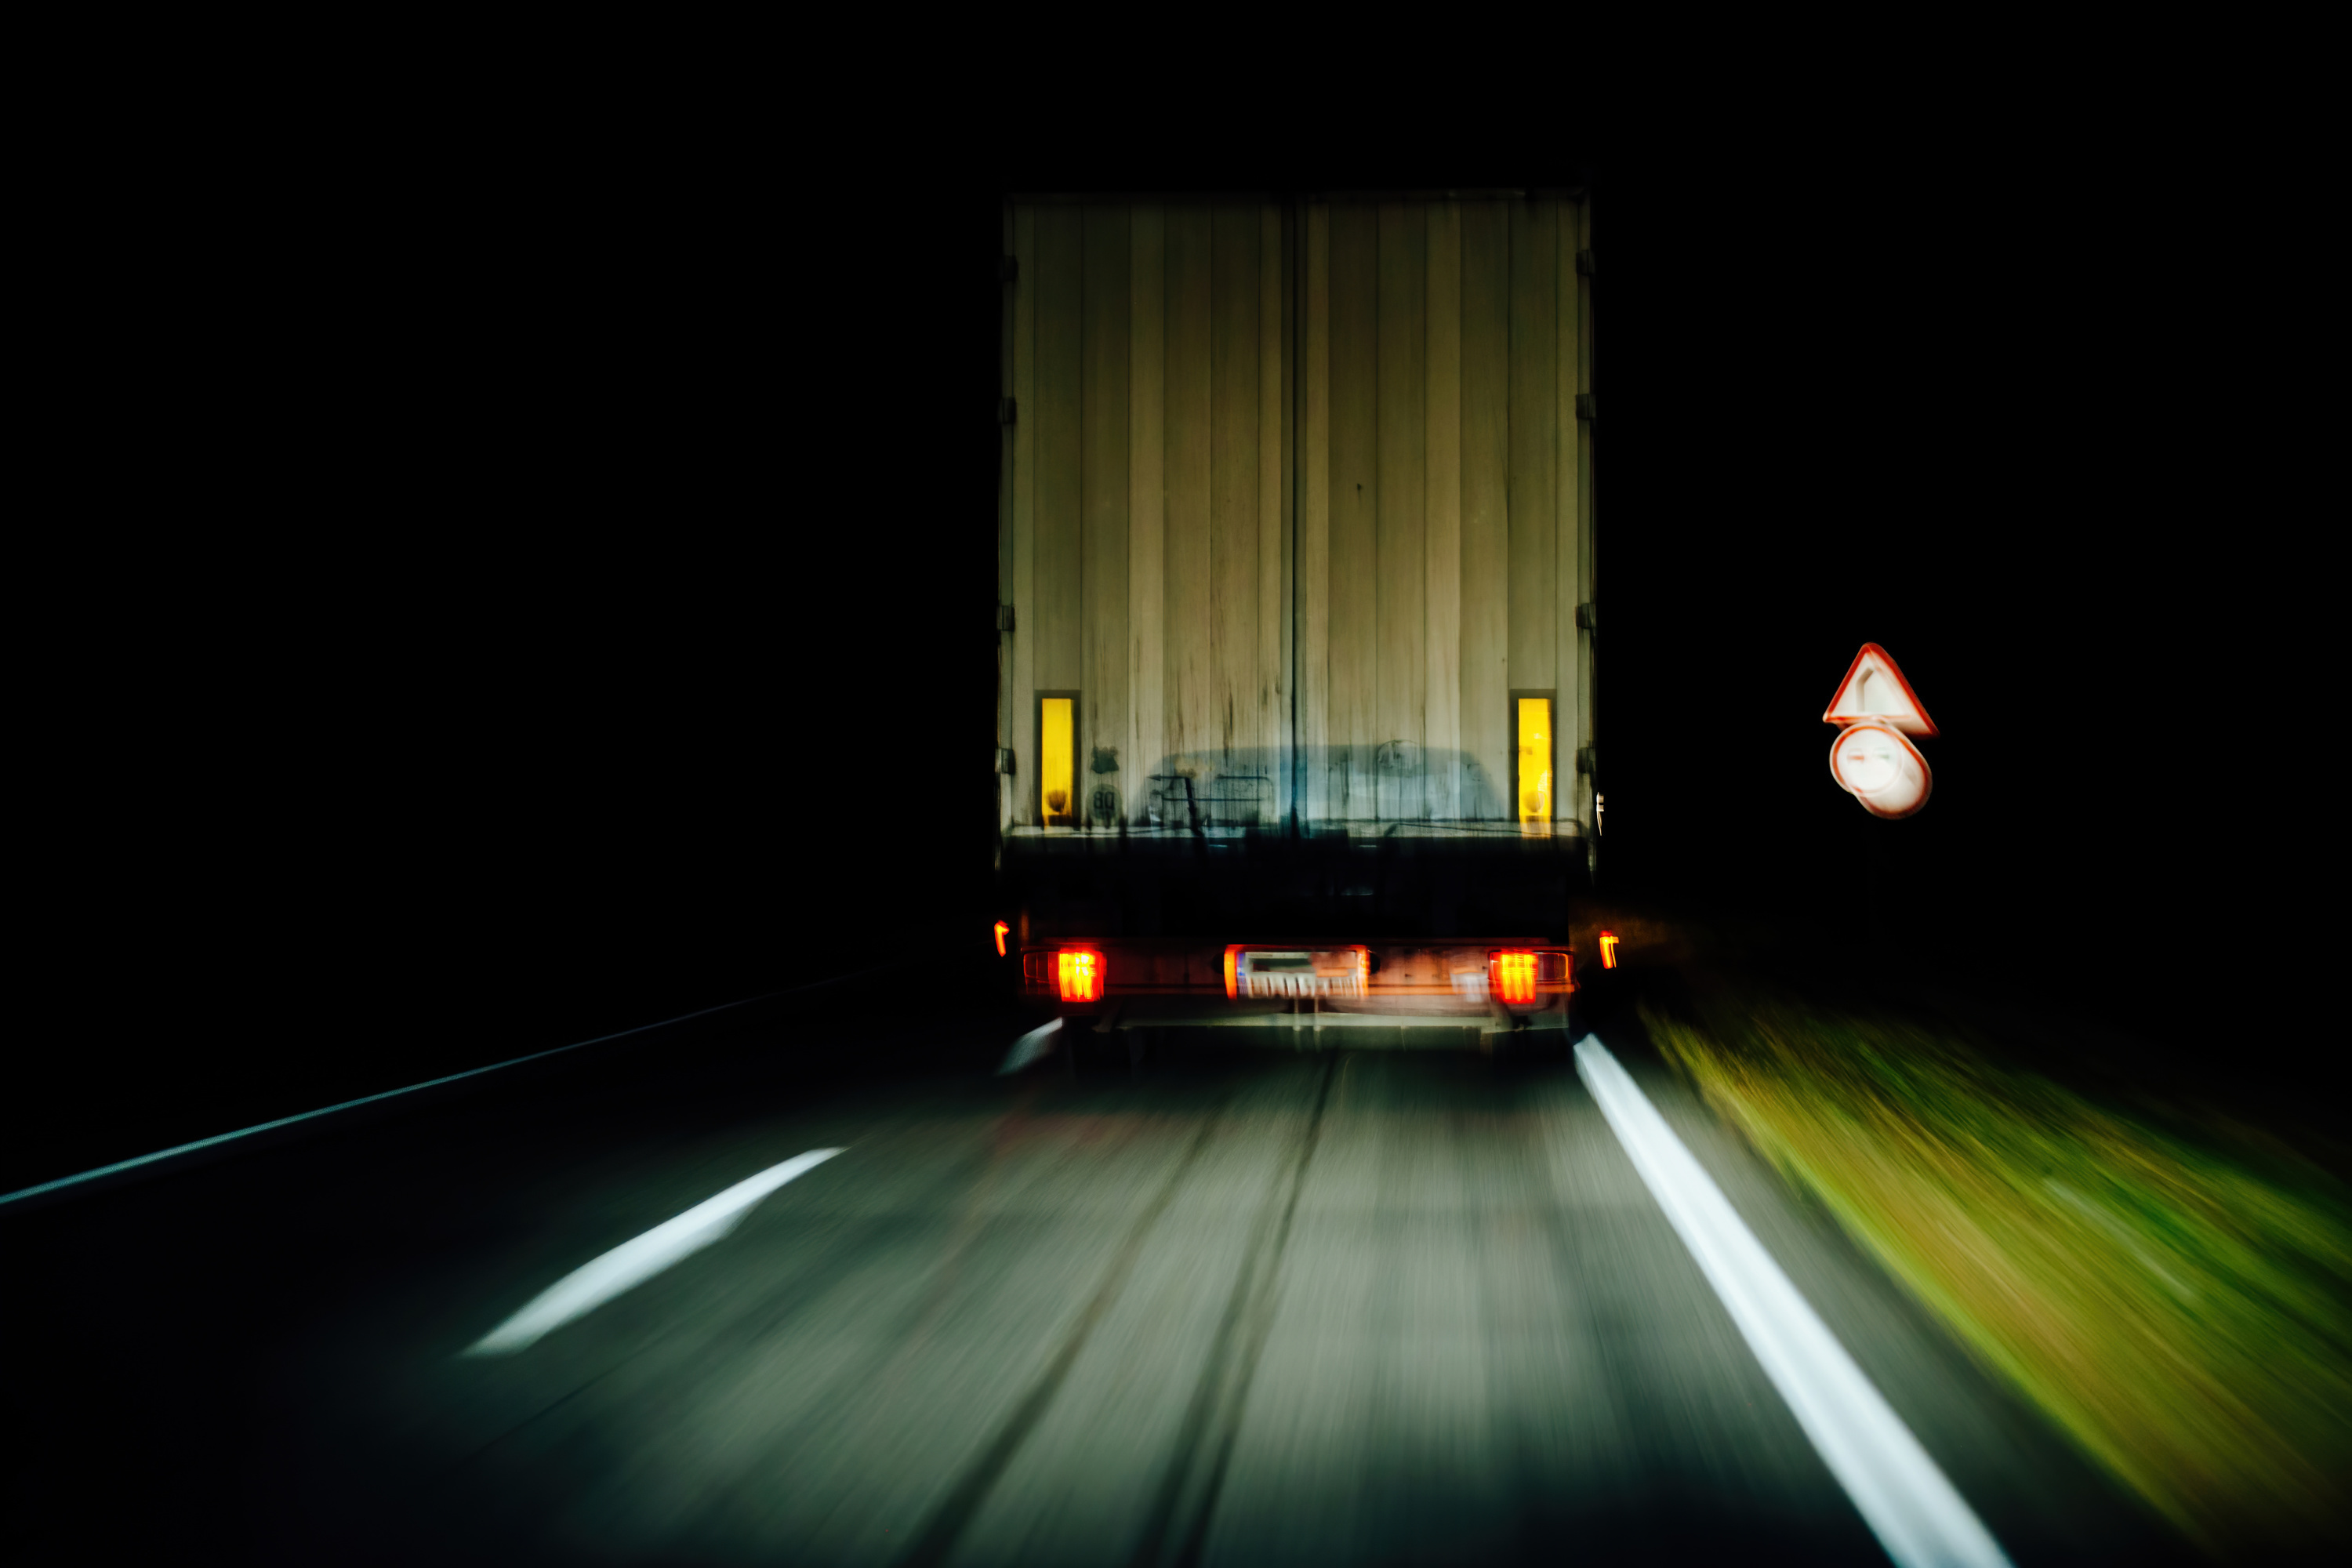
(218, 1137)
(1906, 1501)
(593, 1284)
(1030, 1046)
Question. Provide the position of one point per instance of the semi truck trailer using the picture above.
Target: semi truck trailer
(1296, 617)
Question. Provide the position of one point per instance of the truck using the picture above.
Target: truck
(1296, 617)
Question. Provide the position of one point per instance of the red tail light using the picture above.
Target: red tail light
(1518, 975)
(1078, 974)
(1512, 976)
(1608, 950)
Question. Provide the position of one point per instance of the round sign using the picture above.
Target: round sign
(1878, 766)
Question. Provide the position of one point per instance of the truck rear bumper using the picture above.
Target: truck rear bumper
(1419, 978)
(1321, 1027)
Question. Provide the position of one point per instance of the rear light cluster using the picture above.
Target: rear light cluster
(1072, 973)
(1515, 976)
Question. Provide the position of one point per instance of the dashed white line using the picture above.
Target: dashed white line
(1908, 1504)
(594, 1283)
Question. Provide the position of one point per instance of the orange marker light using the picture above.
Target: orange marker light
(1608, 950)
(1513, 975)
(1078, 972)
(1233, 982)
(1001, 930)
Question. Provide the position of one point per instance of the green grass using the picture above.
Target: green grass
(2182, 1311)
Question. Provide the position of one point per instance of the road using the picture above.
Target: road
(1259, 1306)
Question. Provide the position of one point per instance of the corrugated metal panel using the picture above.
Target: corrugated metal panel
(1005, 738)
(1018, 807)
(1147, 555)
(1107, 297)
(1338, 439)
(1576, 360)
(1484, 768)
(1311, 584)
(1441, 469)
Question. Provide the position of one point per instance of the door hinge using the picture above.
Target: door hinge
(1003, 618)
(1584, 406)
(1004, 760)
(1008, 410)
(1588, 617)
(1584, 264)
(1588, 760)
(1008, 270)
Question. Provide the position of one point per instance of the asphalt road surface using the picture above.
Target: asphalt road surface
(1258, 1305)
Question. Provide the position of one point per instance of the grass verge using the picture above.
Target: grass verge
(2183, 1313)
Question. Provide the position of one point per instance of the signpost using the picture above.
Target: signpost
(1873, 758)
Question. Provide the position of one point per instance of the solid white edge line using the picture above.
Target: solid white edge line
(139, 1160)
(1917, 1515)
(632, 1262)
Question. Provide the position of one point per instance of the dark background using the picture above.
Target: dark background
(531, 575)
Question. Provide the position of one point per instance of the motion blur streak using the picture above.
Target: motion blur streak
(1905, 1499)
(1030, 1046)
(593, 1284)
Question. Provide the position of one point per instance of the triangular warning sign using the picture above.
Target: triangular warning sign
(1875, 688)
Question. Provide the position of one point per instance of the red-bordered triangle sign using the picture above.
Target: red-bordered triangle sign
(1875, 688)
